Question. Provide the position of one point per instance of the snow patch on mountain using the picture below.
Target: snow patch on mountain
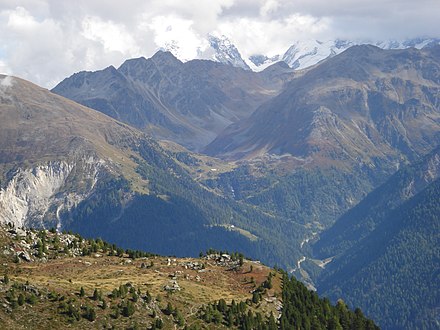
(303, 54)
(300, 55)
(226, 52)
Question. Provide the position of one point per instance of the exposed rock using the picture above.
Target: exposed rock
(25, 256)
(32, 193)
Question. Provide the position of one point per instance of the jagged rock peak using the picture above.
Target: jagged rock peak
(226, 52)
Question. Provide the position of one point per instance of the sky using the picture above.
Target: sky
(45, 41)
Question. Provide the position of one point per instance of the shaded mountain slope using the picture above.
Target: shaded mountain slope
(373, 210)
(393, 272)
(188, 103)
(366, 107)
(67, 166)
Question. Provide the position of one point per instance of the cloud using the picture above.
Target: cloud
(112, 36)
(174, 32)
(273, 36)
(7, 81)
(46, 40)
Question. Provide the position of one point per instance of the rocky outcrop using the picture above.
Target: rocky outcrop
(35, 197)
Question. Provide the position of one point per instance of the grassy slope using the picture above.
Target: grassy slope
(65, 275)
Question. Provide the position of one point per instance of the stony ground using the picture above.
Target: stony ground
(49, 277)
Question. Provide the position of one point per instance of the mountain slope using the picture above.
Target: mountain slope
(373, 210)
(365, 107)
(58, 280)
(188, 103)
(48, 143)
(393, 272)
(67, 166)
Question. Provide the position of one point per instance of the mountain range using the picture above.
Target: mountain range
(329, 133)
(73, 168)
(190, 103)
(300, 55)
(363, 107)
(291, 167)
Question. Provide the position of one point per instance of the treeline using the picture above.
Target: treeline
(179, 216)
(304, 310)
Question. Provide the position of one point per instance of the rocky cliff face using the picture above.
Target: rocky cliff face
(52, 154)
(37, 196)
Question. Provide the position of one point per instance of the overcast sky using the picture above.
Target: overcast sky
(47, 40)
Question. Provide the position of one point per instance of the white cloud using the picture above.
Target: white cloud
(273, 36)
(112, 36)
(175, 32)
(46, 40)
(21, 20)
(269, 7)
(7, 81)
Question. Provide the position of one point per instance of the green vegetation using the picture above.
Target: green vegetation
(393, 272)
(180, 216)
(304, 196)
(374, 209)
(112, 288)
(303, 309)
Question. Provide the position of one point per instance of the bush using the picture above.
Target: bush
(20, 299)
(128, 309)
(32, 299)
(90, 314)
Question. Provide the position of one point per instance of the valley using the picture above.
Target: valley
(303, 170)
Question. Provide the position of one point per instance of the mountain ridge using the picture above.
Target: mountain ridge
(386, 249)
(353, 94)
(189, 103)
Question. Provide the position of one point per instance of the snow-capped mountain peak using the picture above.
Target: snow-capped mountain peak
(300, 55)
(226, 52)
(303, 54)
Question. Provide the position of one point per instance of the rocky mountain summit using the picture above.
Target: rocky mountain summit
(188, 103)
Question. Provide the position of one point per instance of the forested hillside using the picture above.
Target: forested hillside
(393, 272)
(374, 209)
